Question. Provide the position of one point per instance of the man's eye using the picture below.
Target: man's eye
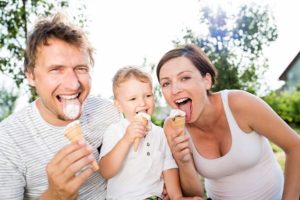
(55, 70)
(83, 69)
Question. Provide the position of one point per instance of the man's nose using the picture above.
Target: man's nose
(71, 80)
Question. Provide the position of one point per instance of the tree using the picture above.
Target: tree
(15, 17)
(234, 42)
(7, 102)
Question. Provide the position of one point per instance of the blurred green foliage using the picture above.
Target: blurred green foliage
(7, 103)
(286, 105)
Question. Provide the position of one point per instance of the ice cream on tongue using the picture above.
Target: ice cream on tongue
(186, 107)
(71, 108)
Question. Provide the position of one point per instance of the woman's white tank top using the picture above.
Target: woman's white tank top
(248, 171)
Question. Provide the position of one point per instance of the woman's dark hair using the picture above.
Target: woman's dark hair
(195, 55)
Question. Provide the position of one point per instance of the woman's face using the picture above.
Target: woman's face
(184, 87)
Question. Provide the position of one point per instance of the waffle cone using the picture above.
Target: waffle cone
(137, 140)
(74, 133)
(179, 122)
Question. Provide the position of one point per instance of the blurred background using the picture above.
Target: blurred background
(254, 44)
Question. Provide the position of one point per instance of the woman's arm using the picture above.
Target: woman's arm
(189, 178)
(246, 107)
(171, 179)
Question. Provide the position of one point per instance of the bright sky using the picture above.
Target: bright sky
(126, 32)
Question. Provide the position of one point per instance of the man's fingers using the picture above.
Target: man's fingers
(67, 150)
(79, 165)
(74, 156)
(77, 181)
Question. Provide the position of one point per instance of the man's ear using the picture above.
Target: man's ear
(30, 77)
(208, 81)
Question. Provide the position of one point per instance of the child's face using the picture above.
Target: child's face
(133, 96)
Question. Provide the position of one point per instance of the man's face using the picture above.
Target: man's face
(62, 79)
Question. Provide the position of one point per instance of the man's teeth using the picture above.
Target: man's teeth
(69, 97)
(181, 100)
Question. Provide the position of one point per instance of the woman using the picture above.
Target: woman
(226, 134)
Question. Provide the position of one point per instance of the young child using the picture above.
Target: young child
(136, 174)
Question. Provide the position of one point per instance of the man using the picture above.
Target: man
(36, 160)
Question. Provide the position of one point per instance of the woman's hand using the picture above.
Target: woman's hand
(178, 143)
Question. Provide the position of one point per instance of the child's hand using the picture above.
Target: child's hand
(135, 129)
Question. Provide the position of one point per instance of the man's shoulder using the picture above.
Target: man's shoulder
(99, 101)
(13, 119)
(101, 107)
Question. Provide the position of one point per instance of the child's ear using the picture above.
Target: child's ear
(117, 104)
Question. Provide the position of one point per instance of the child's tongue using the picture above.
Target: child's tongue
(186, 107)
(71, 108)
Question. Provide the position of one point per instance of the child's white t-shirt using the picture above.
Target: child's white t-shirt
(141, 174)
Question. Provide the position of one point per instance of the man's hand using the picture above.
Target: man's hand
(68, 170)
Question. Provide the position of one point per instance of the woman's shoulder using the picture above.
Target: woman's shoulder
(240, 99)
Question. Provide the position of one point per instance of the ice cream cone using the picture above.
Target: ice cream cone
(178, 119)
(179, 122)
(141, 118)
(73, 132)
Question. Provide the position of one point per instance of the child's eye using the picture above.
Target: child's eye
(132, 99)
(149, 95)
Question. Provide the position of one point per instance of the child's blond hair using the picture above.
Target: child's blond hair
(127, 72)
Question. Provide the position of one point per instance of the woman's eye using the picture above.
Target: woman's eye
(164, 84)
(185, 78)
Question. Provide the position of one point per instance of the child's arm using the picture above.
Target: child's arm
(111, 163)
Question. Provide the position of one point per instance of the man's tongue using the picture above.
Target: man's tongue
(71, 108)
(186, 107)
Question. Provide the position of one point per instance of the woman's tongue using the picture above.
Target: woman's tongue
(71, 108)
(186, 107)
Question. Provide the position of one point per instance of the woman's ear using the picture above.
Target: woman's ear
(30, 77)
(207, 81)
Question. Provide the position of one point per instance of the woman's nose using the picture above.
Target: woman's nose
(175, 88)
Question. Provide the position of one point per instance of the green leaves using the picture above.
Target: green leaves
(285, 104)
